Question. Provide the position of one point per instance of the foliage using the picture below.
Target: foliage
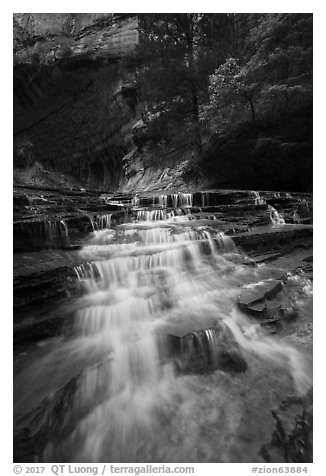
(231, 89)
(273, 76)
(178, 52)
(194, 73)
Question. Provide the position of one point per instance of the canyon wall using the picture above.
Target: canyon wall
(74, 114)
(79, 119)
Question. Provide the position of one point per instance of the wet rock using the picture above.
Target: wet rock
(253, 300)
(283, 239)
(40, 328)
(237, 229)
(48, 422)
(43, 286)
(20, 201)
(206, 350)
(292, 439)
(265, 258)
(42, 422)
(287, 313)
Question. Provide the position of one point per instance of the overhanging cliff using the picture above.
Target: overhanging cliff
(72, 111)
(85, 117)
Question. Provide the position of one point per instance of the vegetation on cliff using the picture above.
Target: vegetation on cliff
(230, 92)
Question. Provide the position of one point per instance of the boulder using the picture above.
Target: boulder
(206, 350)
(253, 300)
(292, 439)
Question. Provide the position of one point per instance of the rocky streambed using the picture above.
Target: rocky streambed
(169, 327)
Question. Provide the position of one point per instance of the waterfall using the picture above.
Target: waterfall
(186, 199)
(225, 242)
(126, 305)
(100, 222)
(182, 200)
(91, 221)
(155, 342)
(135, 201)
(65, 227)
(50, 230)
(103, 221)
(151, 215)
(163, 201)
(258, 199)
(275, 217)
(53, 230)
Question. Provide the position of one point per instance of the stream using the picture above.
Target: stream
(156, 361)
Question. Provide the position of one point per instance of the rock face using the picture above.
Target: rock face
(292, 439)
(278, 158)
(77, 112)
(72, 114)
(206, 350)
(253, 301)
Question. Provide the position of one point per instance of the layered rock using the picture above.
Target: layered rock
(77, 111)
(71, 113)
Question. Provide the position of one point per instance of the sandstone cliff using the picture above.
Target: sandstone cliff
(78, 119)
(74, 114)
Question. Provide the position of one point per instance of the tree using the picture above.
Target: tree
(179, 51)
(231, 88)
(273, 74)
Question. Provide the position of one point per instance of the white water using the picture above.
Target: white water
(182, 200)
(275, 217)
(54, 229)
(258, 199)
(143, 281)
(163, 201)
(65, 227)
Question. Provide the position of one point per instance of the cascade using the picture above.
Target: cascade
(258, 199)
(151, 215)
(182, 200)
(91, 221)
(175, 198)
(50, 230)
(186, 199)
(135, 201)
(275, 217)
(159, 282)
(163, 200)
(103, 221)
(65, 227)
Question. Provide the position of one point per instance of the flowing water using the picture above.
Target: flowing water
(159, 275)
(258, 199)
(275, 217)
